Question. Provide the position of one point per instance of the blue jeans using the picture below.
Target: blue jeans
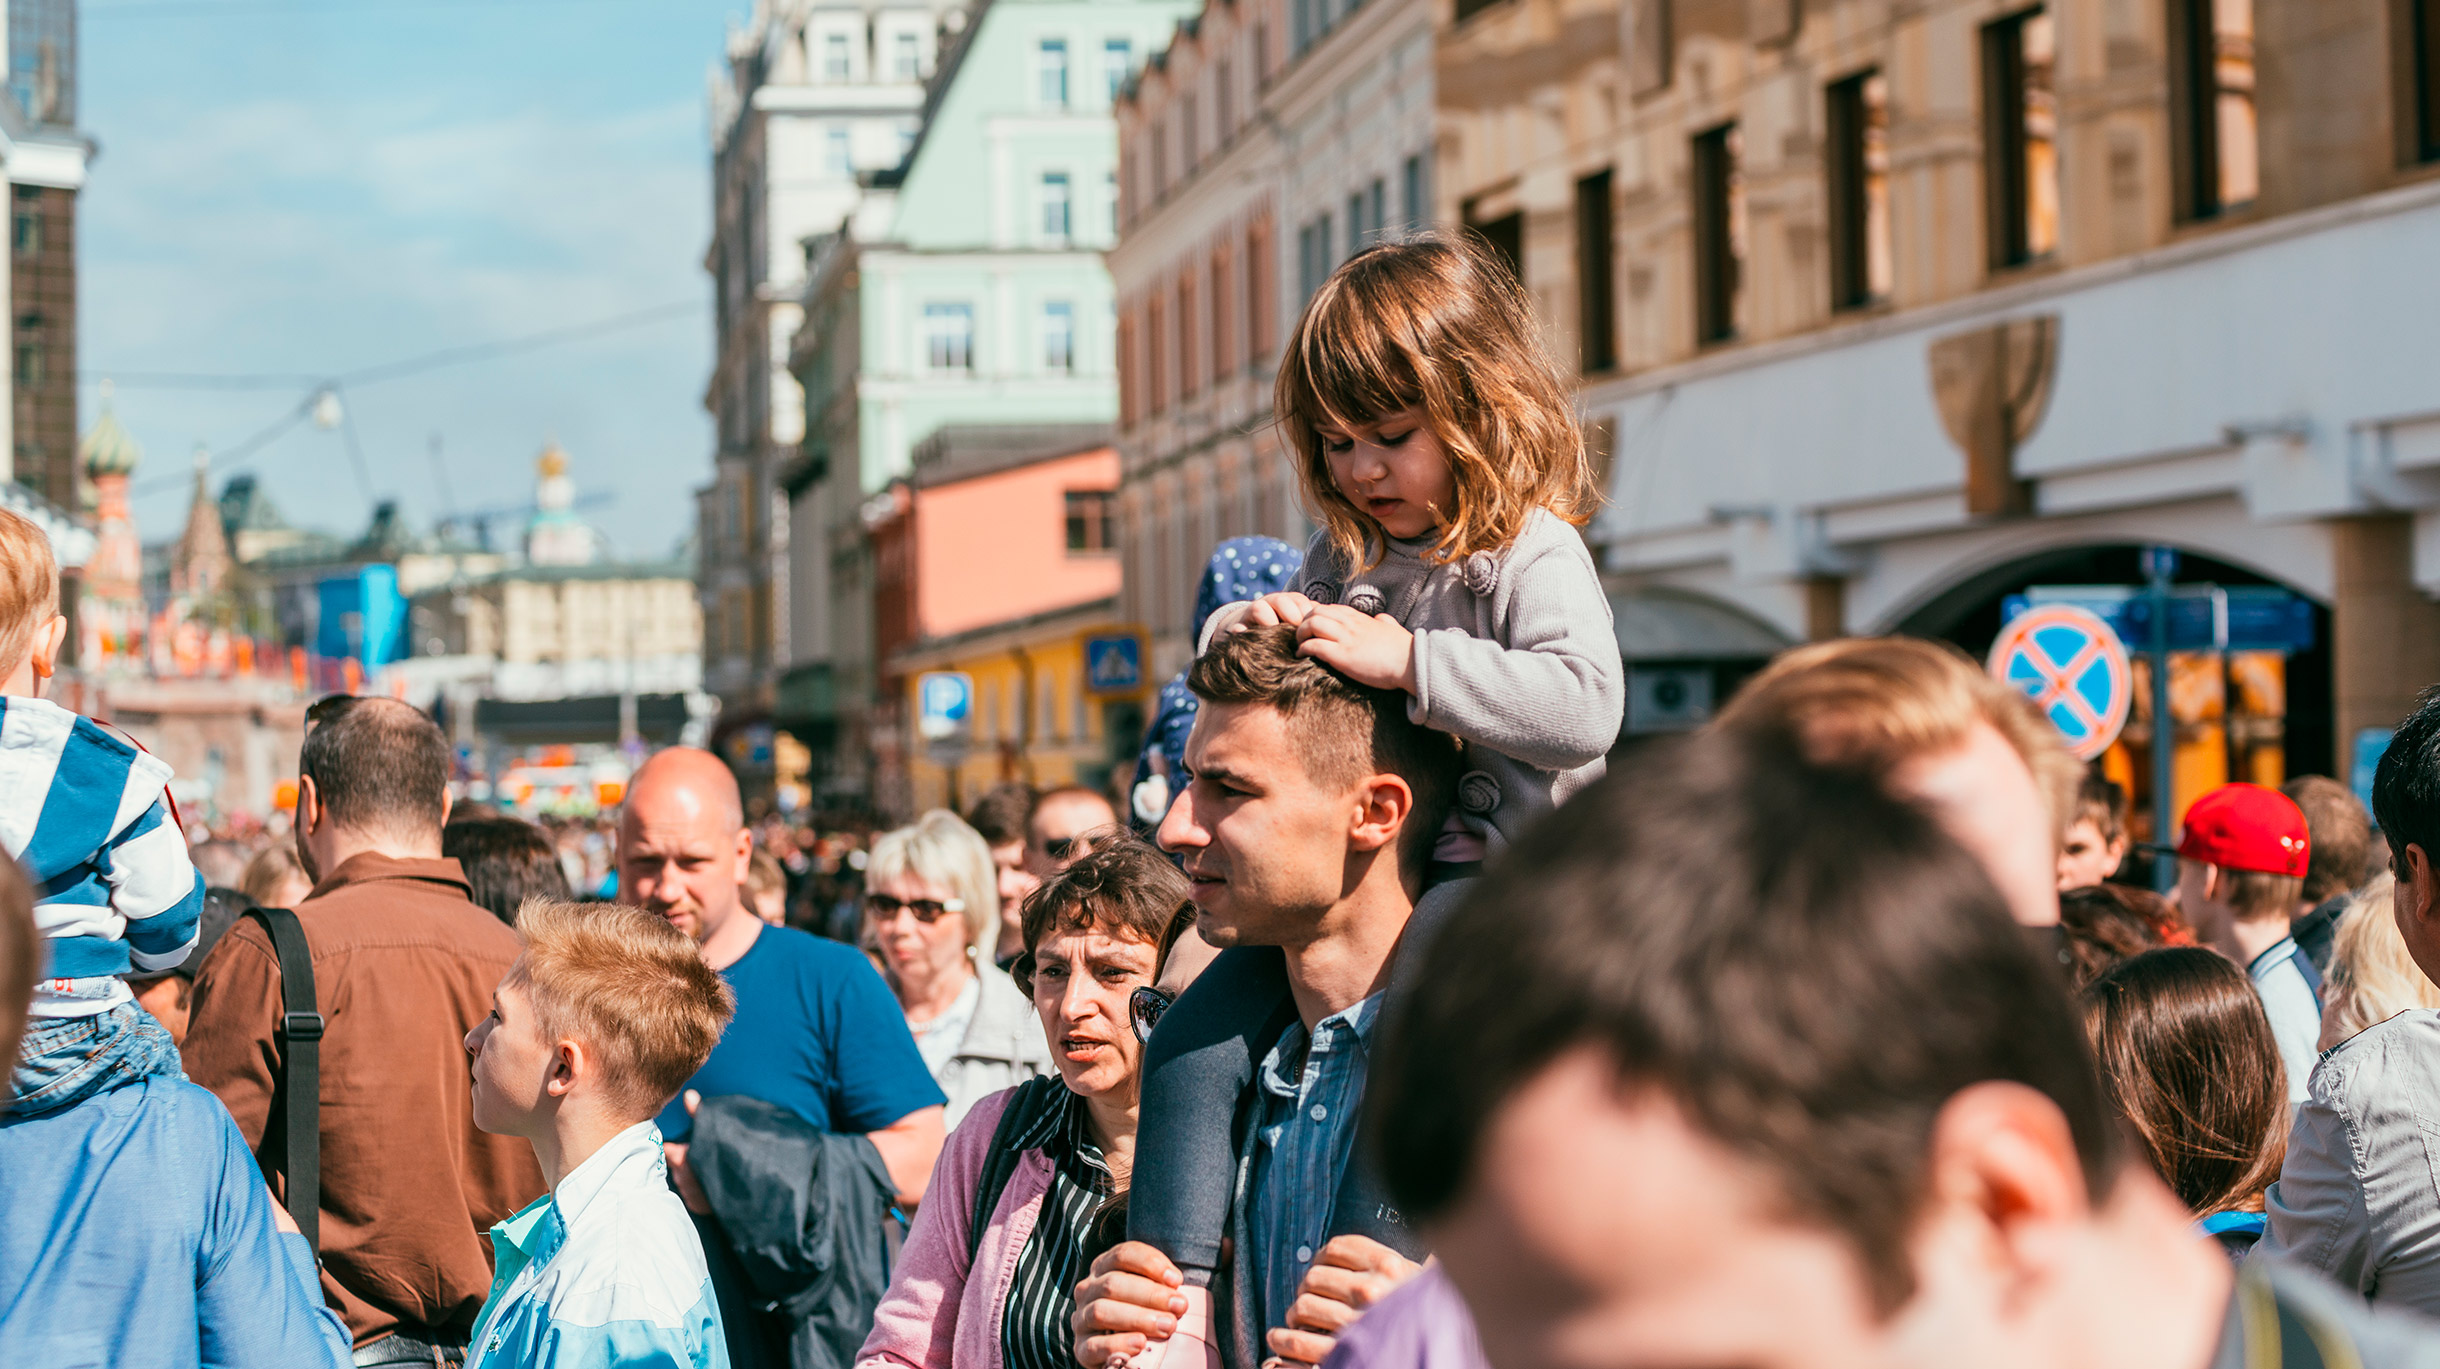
(66, 1060)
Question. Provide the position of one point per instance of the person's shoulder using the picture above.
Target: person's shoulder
(642, 1263)
(1546, 540)
(2387, 1062)
(2413, 1035)
(2379, 1336)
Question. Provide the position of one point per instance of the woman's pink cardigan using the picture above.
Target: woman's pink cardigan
(939, 1313)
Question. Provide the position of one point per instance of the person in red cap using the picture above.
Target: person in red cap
(2240, 871)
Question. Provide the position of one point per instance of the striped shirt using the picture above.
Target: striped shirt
(1036, 1330)
(1312, 1089)
(82, 810)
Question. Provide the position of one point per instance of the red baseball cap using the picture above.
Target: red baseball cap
(2247, 827)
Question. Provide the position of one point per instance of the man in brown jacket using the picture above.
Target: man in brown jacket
(404, 966)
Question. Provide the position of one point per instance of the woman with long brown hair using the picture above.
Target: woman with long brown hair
(2187, 1056)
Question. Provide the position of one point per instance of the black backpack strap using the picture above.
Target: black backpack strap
(1034, 1099)
(300, 1033)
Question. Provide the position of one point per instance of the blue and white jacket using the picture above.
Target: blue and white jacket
(603, 1270)
(82, 809)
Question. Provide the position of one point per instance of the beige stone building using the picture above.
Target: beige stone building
(560, 631)
(1888, 310)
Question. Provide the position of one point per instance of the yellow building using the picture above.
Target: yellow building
(1034, 715)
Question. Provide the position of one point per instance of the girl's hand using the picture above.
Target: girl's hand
(1285, 606)
(1372, 651)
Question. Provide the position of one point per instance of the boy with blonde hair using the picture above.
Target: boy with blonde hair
(596, 1026)
(85, 812)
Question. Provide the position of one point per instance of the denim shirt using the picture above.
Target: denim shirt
(1312, 1089)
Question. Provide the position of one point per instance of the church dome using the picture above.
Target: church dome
(106, 448)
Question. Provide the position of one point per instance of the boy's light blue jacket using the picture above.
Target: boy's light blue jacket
(604, 1270)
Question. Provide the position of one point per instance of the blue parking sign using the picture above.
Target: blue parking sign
(944, 705)
(1114, 664)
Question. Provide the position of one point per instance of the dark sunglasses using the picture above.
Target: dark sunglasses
(1144, 1009)
(1064, 848)
(927, 911)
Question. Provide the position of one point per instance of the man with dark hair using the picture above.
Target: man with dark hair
(999, 817)
(507, 860)
(2358, 1197)
(1736, 1060)
(2342, 849)
(1305, 834)
(404, 965)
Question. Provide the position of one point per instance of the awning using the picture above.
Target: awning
(1657, 624)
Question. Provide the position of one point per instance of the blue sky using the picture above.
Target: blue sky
(324, 186)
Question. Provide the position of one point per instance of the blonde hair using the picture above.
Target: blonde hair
(264, 873)
(630, 986)
(2372, 978)
(941, 848)
(29, 587)
(1441, 326)
(1875, 701)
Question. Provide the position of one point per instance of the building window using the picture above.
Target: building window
(1719, 233)
(1156, 359)
(1224, 92)
(2020, 145)
(1058, 336)
(1862, 266)
(1110, 189)
(1051, 66)
(1088, 520)
(2211, 84)
(836, 153)
(1057, 201)
(834, 57)
(948, 336)
(1505, 236)
(1596, 304)
(1117, 63)
(28, 233)
(30, 363)
(1189, 126)
(906, 56)
(1222, 298)
(1356, 232)
(2426, 59)
(1412, 192)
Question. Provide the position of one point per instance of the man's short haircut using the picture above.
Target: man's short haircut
(1344, 731)
(20, 959)
(2341, 832)
(2101, 801)
(378, 764)
(1001, 813)
(2406, 786)
(1810, 968)
(29, 587)
(940, 848)
(1875, 702)
(1124, 886)
(631, 986)
(2258, 895)
(507, 861)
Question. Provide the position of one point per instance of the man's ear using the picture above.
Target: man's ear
(568, 1060)
(1383, 804)
(309, 804)
(2004, 1160)
(2419, 884)
(47, 641)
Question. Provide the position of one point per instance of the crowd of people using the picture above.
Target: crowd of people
(1398, 1022)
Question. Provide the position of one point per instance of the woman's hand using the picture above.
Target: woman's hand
(1349, 1275)
(1372, 651)
(1128, 1301)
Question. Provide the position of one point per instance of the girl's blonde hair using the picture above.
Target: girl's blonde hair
(2372, 978)
(942, 849)
(1439, 325)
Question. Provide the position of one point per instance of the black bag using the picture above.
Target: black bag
(300, 1078)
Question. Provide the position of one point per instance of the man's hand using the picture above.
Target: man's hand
(1351, 1274)
(1374, 651)
(1128, 1301)
(690, 1192)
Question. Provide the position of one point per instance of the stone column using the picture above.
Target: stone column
(2384, 633)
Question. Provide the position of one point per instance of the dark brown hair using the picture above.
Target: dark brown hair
(1439, 325)
(2103, 925)
(507, 861)
(1810, 968)
(2341, 833)
(1000, 814)
(2188, 1059)
(378, 764)
(2102, 801)
(1344, 730)
(1124, 885)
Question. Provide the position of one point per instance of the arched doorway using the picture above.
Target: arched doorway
(2290, 708)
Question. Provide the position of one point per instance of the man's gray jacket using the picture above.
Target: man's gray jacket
(2359, 1198)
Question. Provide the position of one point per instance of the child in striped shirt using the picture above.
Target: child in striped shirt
(85, 813)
